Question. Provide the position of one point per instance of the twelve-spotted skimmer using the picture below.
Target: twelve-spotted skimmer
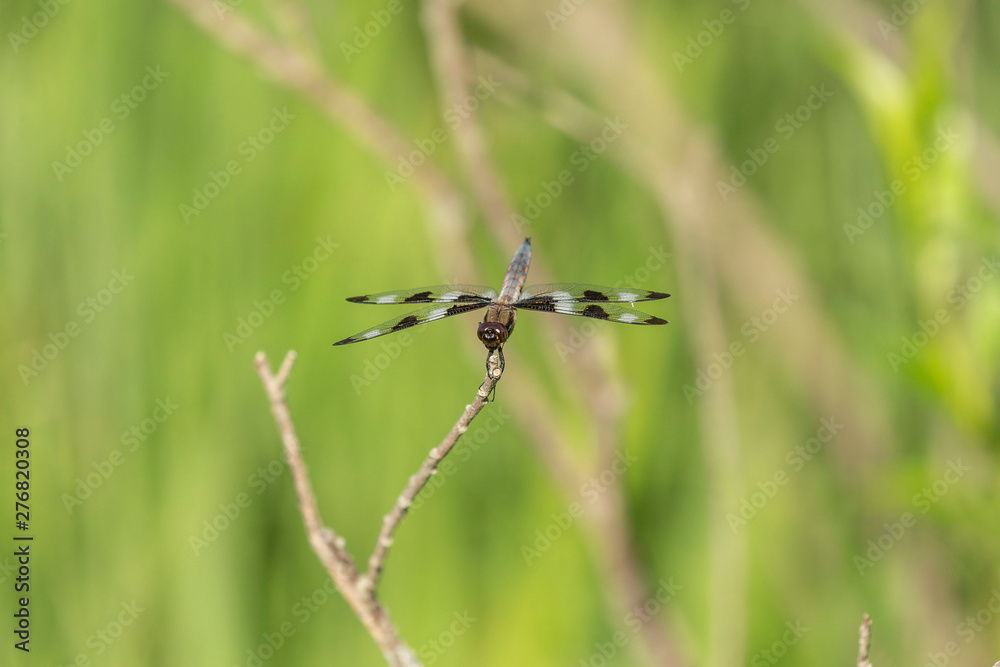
(601, 303)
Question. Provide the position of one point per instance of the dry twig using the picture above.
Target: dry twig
(865, 641)
(359, 589)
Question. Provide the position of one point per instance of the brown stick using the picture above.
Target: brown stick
(865, 641)
(429, 468)
(359, 589)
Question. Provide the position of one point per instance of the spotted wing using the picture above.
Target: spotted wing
(436, 294)
(612, 312)
(577, 293)
(426, 314)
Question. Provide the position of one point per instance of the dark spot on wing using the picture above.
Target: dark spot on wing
(455, 310)
(419, 296)
(656, 320)
(407, 321)
(594, 295)
(543, 303)
(595, 312)
(358, 299)
(470, 297)
(657, 295)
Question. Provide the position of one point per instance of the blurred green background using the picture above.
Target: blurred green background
(814, 436)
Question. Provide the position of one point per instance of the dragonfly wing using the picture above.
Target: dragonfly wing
(436, 294)
(427, 314)
(599, 311)
(578, 293)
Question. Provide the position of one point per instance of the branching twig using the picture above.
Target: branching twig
(359, 589)
(429, 468)
(864, 641)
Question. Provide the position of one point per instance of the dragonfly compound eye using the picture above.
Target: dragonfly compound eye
(493, 334)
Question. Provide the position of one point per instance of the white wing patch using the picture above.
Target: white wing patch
(388, 298)
(565, 308)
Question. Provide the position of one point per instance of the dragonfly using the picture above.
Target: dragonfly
(612, 304)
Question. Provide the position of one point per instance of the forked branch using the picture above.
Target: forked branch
(357, 588)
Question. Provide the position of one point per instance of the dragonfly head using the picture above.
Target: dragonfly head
(493, 334)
